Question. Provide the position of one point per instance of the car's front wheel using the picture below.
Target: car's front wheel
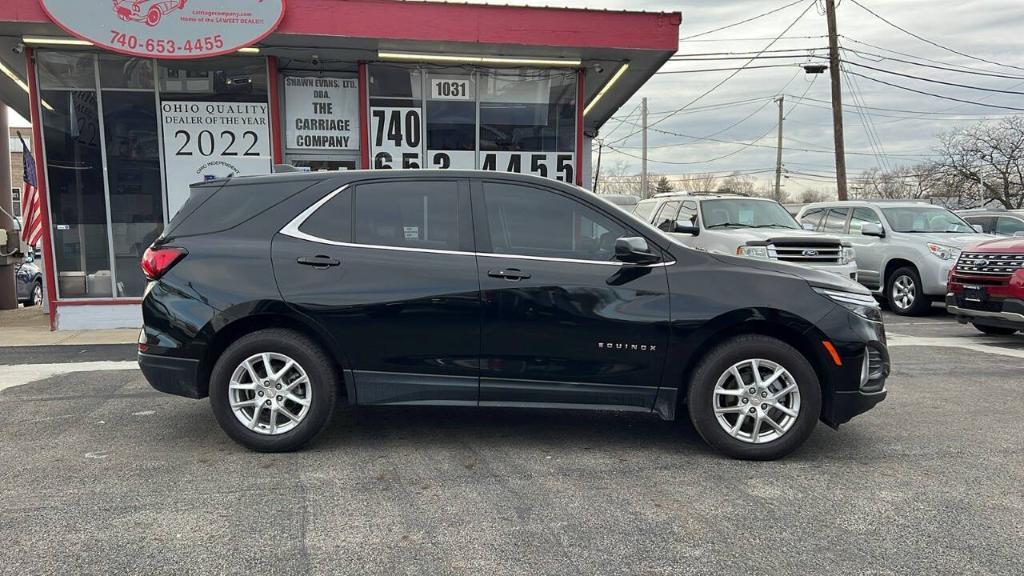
(905, 293)
(273, 390)
(755, 398)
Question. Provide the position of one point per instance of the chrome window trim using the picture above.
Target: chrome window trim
(292, 229)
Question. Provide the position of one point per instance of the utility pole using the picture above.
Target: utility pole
(597, 171)
(643, 172)
(778, 160)
(837, 98)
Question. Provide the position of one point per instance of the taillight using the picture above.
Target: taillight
(157, 261)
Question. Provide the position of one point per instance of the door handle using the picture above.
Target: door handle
(510, 274)
(320, 262)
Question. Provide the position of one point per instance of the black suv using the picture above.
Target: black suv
(275, 295)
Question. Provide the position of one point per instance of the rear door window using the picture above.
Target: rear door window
(421, 214)
(987, 223)
(813, 217)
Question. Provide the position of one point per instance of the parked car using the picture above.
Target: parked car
(998, 222)
(744, 226)
(986, 288)
(273, 295)
(29, 281)
(904, 249)
(624, 201)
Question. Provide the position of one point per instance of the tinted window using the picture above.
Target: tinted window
(813, 217)
(1009, 226)
(930, 219)
(644, 209)
(987, 223)
(409, 214)
(333, 221)
(535, 222)
(667, 215)
(746, 213)
(836, 220)
(862, 216)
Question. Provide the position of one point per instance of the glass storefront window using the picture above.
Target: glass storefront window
(66, 70)
(235, 79)
(528, 110)
(78, 206)
(125, 73)
(133, 169)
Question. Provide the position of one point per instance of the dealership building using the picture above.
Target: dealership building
(133, 100)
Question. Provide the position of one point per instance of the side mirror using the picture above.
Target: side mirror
(680, 228)
(872, 230)
(807, 226)
(978, 228)
(634, 250)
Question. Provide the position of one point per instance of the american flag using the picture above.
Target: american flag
(31, 205)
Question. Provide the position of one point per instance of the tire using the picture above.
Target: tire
(994, 330)
(279, 346)
(35, 296)
(905, 294)
(770, 354)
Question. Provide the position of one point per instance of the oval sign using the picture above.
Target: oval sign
(169, 29)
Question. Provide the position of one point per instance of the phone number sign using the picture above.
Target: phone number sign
(168, 29)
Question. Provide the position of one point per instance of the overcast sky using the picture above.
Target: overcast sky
(991, 29)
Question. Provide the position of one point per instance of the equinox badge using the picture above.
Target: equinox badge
(625, 346)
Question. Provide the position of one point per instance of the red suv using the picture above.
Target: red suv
(986, 287)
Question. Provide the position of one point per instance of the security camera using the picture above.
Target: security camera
(598, 68)
(315, 60)
(18, 48)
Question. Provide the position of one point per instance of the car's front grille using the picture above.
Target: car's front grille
(988, 264)
(805, 252)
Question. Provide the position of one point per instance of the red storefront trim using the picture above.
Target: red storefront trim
(581, 102)
(364, 116)
(37, 151)
(275, 110)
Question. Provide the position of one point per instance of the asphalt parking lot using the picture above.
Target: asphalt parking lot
(102, 475)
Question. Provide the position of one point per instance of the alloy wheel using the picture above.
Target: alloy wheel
(37, 295)
(270, 393)
(904, 292)
(756, 401)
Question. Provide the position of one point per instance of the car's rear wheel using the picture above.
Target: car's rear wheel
(273, 390)
(36, 295)
(995, 330)
(906, 293)
(754, 398)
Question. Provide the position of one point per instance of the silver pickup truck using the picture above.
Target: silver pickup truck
(744, 226)
(904, 249)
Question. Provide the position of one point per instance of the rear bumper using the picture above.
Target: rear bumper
(178, 376)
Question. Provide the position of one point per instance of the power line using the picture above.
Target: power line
(780, 38)
(720, 58)
(734, 24)
(697, 109)
(733, 75)
(915, 56)
(934, 81)
(921, 112)
(748, 52)
(869, 55)
(737, 70)
(927, 41)
(901, 87)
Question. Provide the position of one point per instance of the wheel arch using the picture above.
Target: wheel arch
(892, 265)
(233, 330)
(794, 330)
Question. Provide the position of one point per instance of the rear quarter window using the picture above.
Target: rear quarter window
(231, 204)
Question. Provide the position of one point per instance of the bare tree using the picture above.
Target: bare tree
(984, 163)
(903, 182)
(737, 184)
(812, 195)
(699, 182)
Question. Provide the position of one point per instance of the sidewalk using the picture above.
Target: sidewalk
(30, 327)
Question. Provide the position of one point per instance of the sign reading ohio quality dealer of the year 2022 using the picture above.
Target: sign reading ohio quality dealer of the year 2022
(172, 29)
(207, 140)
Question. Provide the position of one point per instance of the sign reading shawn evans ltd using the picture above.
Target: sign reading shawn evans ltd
(168, 29)
(321, 113)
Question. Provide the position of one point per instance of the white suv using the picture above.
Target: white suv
(744, 226)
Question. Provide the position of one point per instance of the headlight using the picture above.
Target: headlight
(944, 252)
(847, 255)
(863, 305)
(753, 251)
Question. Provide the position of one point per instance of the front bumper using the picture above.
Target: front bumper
(935, 276)
(858, 383)
(171, 375)
(1003, 313)
(848, 270)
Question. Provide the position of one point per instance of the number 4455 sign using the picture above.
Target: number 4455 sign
(171, 29)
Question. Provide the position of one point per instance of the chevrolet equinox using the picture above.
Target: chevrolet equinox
(277, 295)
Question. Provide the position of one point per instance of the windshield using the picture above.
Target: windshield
(925, 219)
(746, 213)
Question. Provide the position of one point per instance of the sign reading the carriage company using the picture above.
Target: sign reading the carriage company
(169, 29)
